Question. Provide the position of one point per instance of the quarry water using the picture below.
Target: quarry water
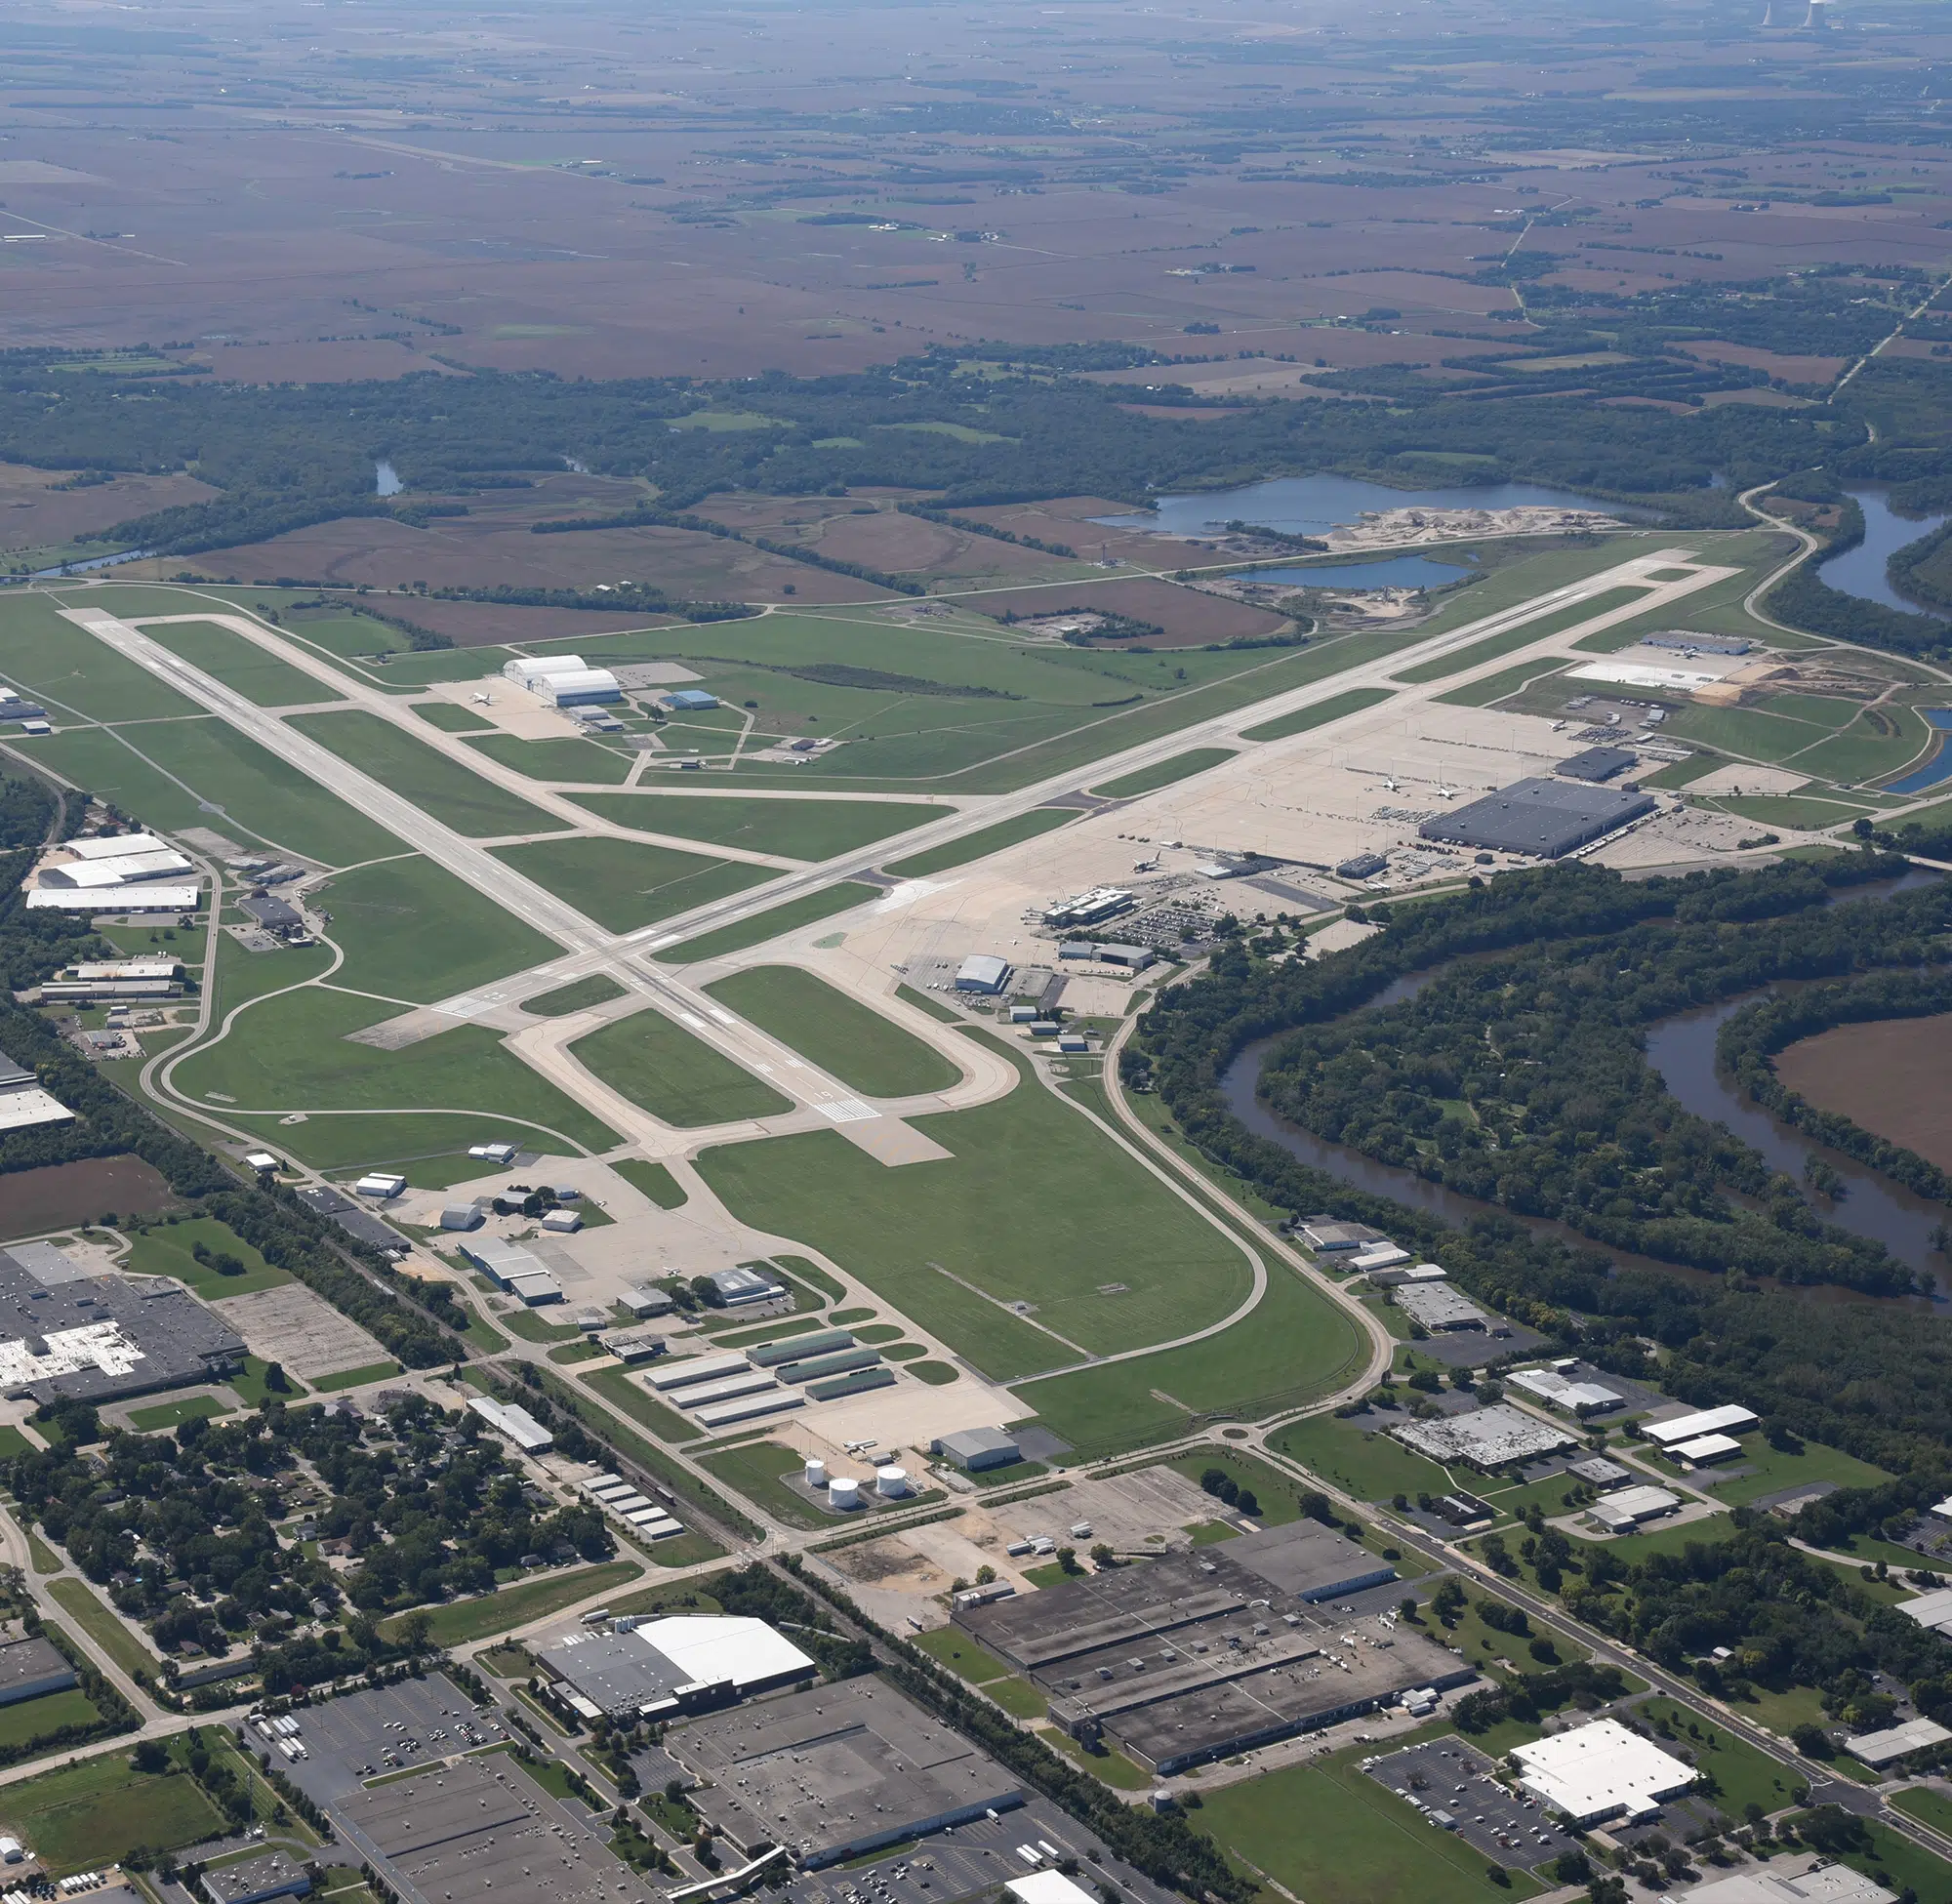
(1308, 505)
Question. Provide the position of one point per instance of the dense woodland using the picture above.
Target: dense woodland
(1867, 1376)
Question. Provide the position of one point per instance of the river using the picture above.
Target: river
(1682, 1049)
(1308, 505)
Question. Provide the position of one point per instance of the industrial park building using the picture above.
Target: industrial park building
(835, 1773)
(1545, 817)
(1192, 1657)
(660, 1668)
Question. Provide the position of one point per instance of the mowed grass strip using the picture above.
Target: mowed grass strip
(623, 884)
(240, 664)
(35, 1719)
(660, 1067)
(464, 800)
(837, 1032)
(1331, 1834)
(1039, 819)
(580, 995)
(1163, 773)
(795, 829)
(809, 909)
(1523, 636)
(90, 1814)
(1304, 719)
(169, 1250)
(463, 1620)
(1033, 1206)
(104, 1628)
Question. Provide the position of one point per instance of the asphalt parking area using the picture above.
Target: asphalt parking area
(1454, 1777)
(367, 1734)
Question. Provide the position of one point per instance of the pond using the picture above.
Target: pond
(1308, 506)
(1392, 572)
(387, 479)
(1860, 571)
(1938, 767)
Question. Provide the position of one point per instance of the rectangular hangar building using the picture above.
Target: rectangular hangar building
(836, 1772)
(1196, 1656)
(1546, 818)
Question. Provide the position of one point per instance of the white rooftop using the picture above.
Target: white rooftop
(1047, 1888)
(94, 1345)
(1896, 1741)
(710, 1650)
(1932, 1609)
(1710, 1447)
(23, 1110)
(109, 846)
(140, 898)
(1706, 1421)
(1640, 1502)
(1830, 1884)
(1490, 1436)
(1601, 1770)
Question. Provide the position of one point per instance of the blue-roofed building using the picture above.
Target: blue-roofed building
(690, 701)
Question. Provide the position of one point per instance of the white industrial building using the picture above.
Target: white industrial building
(1729, 1419)
(1599, 1771)
(24, 1104)
(1880, 1749)
(1706, 1450)
(1486, 1439)
(1621, 1512)
(1442, 1310)
(1394, 1277)
(659, 1668)
(1557, 1391)
(120, 870)
(1932, 1609)
(983, 972)
(1828, 1884)
(511, 1267)
(145, 896)
(563, 680)
(517, 1424)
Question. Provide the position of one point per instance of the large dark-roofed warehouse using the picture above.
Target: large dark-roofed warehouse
(1598, 763)
(1546, 818)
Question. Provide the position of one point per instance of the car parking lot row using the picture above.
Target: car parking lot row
(1456, 1788)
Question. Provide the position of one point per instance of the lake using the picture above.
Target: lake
(1307, 506)
(1392, 572)
(1860, 571)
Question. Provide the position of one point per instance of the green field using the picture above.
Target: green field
(1293, 1346)
(240, 664)
(67, 668)
(1791, 810)
(1163, 773)
(1901, 1866)
(292, 1053)
(757, 1471)
(1329, 1833)
(837, 1032)
(1036, 1206)
(1358, 1457)
(1303, 720)
(951, 1646)
(1520, 637)
(91, 1813)
(624, 884)
(166, 1250)
(162, 772)
(171, 1414)
(1769, 1470)
(353, 1378)
(412, 931)
(580, 995)
(659, 1066)
(463, 1620)
(585, 763)
(654, 1180)
(415, 770)
(807, 910)
(1928, 1805)
(1741, 1774)
(451, 719)
(35, 1719)
(104, 1628)
(1506, 683)
(795, 829)
(980, 845)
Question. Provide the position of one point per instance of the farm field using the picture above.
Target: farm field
(795, 829)
(1035, 1206)
(412, 769)
(1886, 1077)
(624, 884)
(659, 1066)
(840, 1033)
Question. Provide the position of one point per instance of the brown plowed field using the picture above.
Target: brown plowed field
(1890, 1077)
(61, 1196)
(35, 515)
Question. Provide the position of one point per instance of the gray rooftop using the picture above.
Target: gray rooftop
(276, 1875)
(835, 1771)
(358, 1222)
(1546, 818)
(617, 1671)
(29, 1667)
(1598, 763)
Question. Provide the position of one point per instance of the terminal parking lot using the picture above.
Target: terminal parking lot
(971, 1858)
(1508, 1830)
(345, 1736)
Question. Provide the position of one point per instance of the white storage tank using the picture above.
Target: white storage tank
(844, 1492)
(891, 1483)
(816, 1474)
